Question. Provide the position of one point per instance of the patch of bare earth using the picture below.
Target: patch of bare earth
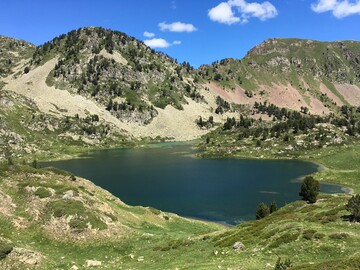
(236, 96)
(170, 122)
(350, 92)
(7, 206)
(279, 95)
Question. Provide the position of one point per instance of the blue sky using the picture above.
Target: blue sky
(199, 32)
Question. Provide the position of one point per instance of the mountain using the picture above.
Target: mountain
(12, 53)
(107, 85)
(97, 88)
(106, 73)
(292, 73)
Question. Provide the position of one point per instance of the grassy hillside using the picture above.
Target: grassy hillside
(53, 220)
(50, 219)
(27, 132)
(305, 65)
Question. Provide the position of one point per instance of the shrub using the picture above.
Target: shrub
(353, 206)
(78, 224)
(319, 235)
(338, 236)
(110, 215)
(34, 164)
(309, 234)
(309, 189)
(5, 249)
(154, 211)
(282, 265)
(62, 208)
(42, 192)
(284, 239)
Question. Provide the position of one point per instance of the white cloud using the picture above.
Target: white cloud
(339, 9)
(177, 42)
(157, 43)
(149, 34)
(177, 27)
(234, 11)
(223, 13)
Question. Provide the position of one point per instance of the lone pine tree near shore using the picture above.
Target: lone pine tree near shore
(262, 211)
(353, 206)
(309, 189)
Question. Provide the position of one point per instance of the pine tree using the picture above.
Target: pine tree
(309, 189)
(353, 206)
(273, 207)
(262, 211)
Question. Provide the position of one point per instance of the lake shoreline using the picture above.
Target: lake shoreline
(167, 177)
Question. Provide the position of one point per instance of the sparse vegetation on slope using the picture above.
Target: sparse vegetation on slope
(12, 52)
(309, 73)
(119, 72)
(50, 219)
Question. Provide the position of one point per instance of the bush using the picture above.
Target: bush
(319, 235)
(110, 215)
(42, 192)
(309, 234)
(5, 249)
(339, 236)
(309, 189)
(62, 208)
(78, 224)
(282, 265)
(154, 211)
(284, 239)
(353, 206)
(34, 164)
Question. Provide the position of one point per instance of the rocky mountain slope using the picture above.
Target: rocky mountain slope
(99, 87)
(12, 53)
(292, 73)
(107, 73)
(136, 92)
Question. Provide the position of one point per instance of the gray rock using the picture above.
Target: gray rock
(92, 263)
(238, 246)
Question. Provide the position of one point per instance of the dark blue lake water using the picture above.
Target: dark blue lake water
(169, 177)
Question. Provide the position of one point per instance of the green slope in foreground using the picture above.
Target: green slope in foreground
(98, 228)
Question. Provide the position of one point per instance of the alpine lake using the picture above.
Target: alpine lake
(169, 177)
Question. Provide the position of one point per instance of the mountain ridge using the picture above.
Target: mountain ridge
(142, 93)
(52, 219)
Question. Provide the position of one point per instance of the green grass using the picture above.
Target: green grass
(42, 193)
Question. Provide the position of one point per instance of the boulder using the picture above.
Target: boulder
(238, 246)
(92, 263)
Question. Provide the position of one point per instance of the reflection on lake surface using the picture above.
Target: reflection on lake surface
(170, 178)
